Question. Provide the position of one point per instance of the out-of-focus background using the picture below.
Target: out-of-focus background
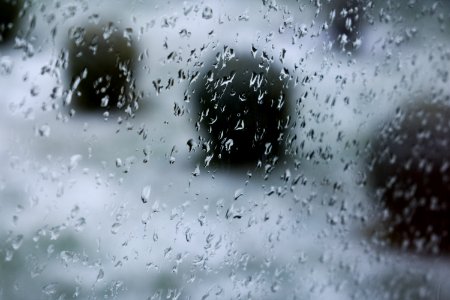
(224, 149)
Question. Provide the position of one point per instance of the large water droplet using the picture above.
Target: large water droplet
(100, 275)
(115, 228)
(238, 193)
(50, 288)
(207, 13)
(17, 242)
(74, 160)
(145, 195)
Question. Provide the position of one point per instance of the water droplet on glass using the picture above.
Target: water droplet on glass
(108, 31)
(100, 275)
(55, 232)
(75, 210)
(37, 270)
(207, 13)
(145, 195)
(68, 257)
(44, 130)
(191, 144)
(238, 193)
(74, 160)
(287, 175)
(196, 171)
(6, 65)
(17, 242)
(188, 235)
(9, 255)
(228, 144)
(104, 101)
(167, 252)
(80, 223)
(34, 91)
(275, 287)
(50, 249)
(50, 288)
(119, 163)
(115, 228)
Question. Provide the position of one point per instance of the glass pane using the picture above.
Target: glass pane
(224, 149)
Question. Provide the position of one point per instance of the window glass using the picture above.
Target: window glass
(224, 149)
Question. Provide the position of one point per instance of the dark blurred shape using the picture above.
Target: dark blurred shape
(346, 26)
(100, 67)
(9, 18)
(243, 106)
(411, 173)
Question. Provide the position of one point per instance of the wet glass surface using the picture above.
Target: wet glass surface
(224, 149)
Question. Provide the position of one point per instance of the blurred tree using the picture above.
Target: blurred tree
(243, 106)
(101, 64)
(9, 18)
(346, 27)
(411, 172)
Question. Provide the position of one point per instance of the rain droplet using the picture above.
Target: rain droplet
(34, 91)
(68, 257)
(191, 144)
(167, 252)
(108, 31)
(44, 130)
(145, 195)
(207, 13)
(74, 211)
(100, 275)
(6, 65)
(187, 8)
(17, 242)
(188, 235)
(37, 270)
(50, 288)
(254, 50)
(74, 160)
(196, 171)
(287, 175)
(79, 225)
(115, 228)
(55, 232)
(275, 287)
(119, 163)
(104, 101)
(9, 255)
(228, 144)
(50, 249)
(238, 193)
